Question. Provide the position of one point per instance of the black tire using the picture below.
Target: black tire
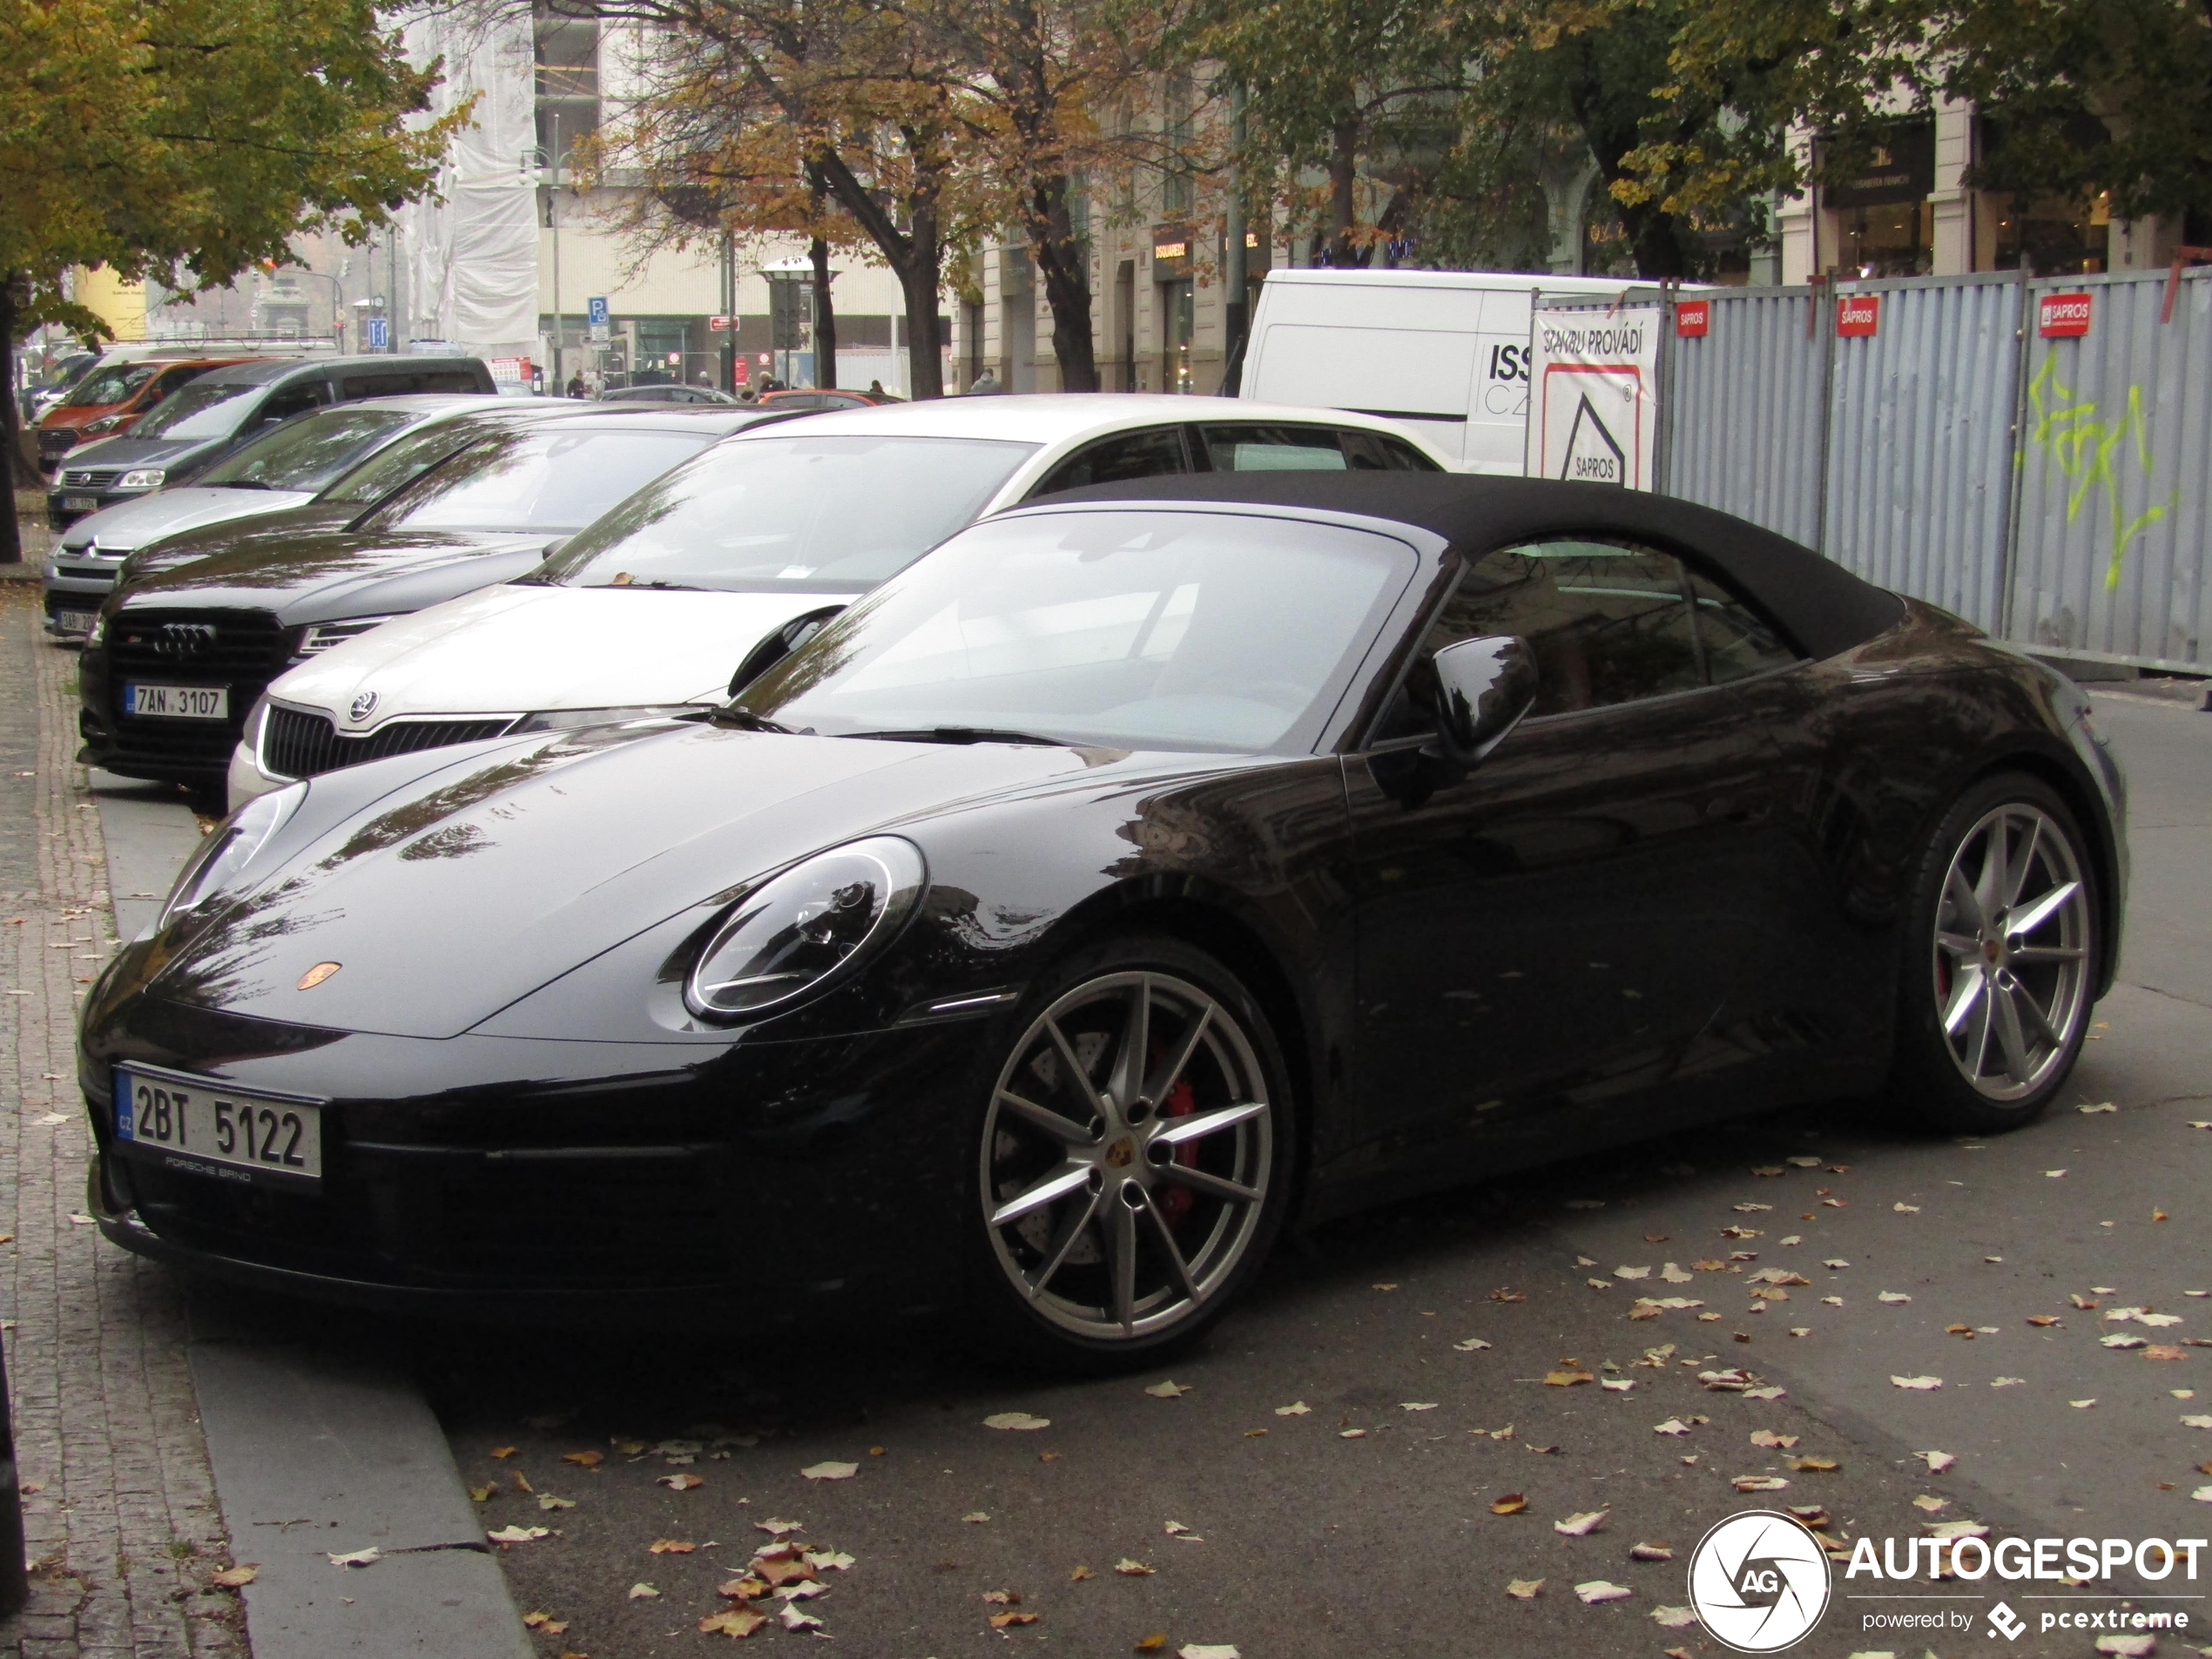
(1136, 1162)
(1932, 1082)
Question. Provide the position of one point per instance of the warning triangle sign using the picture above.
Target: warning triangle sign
(1593, 456)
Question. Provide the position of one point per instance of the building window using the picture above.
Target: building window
(2050, 236)
(1884, 224)
(568, 79)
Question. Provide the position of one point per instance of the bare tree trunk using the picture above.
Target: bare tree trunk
(1344, 166)
(915, 255)
(824, 316)
(1062, 256)
(11, 537)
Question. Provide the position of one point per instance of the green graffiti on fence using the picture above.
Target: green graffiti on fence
(2082, 447)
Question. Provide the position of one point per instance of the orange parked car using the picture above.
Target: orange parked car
(111, 397)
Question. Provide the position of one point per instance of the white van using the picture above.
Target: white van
(1441, 351)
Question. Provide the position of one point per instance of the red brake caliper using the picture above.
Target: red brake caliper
(1175, 1202)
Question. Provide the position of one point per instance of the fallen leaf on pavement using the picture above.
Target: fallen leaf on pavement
(748, 1588)
(1416, 1406)
(1906, 1209)
(591, 1460)
(2127, 1647)
(1892, 1296)
(1933, 1506)
(1172, 1390)
(2006, 1382)
(2117, 1341)
(1836, 1262)
(1564, 1379)
(1672, 1426)
(1814, 1465)
(234, 1578)
(544, 1621)
(776, 1527)
(1617, 1384)
(1128, 1568)
(1771, 1441)
(2198, 1421)
(1507, 1296)
(2164, 1351)
(1152, 1644)
(1759, 1483)
(1937, 1461)
(1384, 1287)
(2083, 1404)
(516, 1534)
(1470, 1346)
(1299, 1408)
(642, 1592)
(793, 1617)
(1650, 1552)
(734, 1622)
(1598, 1590)
(1080, 1574)
(1632, 1273)
(547, 1500)
(1177, 1529)
(2101, 1106)
(1207, 1651)
(502, 1451)
(1524, 1589)
(1352, 1433)
(686, 1482)
(1581, 1526)
(1015, 1421)
(481, 1495)
(1918, 1382)
(1003, 1598)
(1512, 1504)
(977, 1516)
(670, 1547)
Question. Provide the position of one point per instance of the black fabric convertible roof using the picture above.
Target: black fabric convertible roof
(1825, 606)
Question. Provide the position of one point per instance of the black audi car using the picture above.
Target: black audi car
(1136, 874)
(199, 625)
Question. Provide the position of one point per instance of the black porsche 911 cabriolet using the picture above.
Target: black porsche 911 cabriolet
(1137, 873)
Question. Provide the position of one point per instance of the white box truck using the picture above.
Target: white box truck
(1443, 352)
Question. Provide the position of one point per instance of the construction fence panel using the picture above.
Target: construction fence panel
(1919, 491)
(1744, 410)
(2115, 456)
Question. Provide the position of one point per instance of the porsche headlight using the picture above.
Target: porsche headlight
(807, 928)
(228, 849)
(142, 478)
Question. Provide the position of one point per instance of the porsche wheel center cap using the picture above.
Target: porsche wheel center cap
(1123, 1152)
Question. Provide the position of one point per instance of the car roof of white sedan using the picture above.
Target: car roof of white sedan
(1052, 417)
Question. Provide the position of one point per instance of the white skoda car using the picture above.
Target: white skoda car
(674, 599)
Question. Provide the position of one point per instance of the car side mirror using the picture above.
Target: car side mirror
(779, 643)
(1484, 687)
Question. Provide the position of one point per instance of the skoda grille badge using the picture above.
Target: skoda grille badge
(364, 705)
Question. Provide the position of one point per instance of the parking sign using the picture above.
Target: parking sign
(595, 311)
(380, 335)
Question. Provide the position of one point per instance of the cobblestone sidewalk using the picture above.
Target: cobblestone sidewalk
(120, 1513)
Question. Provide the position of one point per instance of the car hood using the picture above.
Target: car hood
(306, 575)
(518, 648)
(129, 525)
(516, 860)
(263, 534)
(124, 450)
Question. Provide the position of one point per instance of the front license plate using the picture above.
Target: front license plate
(178, 702)
(205, 1129)
(80, 503)
(75, 621)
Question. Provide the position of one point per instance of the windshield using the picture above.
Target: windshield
(199, 410)
(820, 514)
(111, 384)
(1139, 629)
(400, 463)
(550, 478)
(308, 453)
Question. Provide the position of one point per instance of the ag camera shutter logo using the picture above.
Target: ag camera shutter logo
(1759, 1582)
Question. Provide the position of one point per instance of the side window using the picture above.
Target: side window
(1252, 447)
(1401, 456)
(296, 399)
(1154, 452)
(1609, 622)
(1738, 642)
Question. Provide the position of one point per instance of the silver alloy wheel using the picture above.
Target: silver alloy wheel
(2012, 951)
(1126, 1155)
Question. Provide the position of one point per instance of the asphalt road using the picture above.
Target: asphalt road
(1305, 1537)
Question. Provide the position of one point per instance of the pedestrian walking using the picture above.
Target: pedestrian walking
(576, 387)
(984, 385)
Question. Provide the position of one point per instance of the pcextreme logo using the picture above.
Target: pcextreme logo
(1759, 1582)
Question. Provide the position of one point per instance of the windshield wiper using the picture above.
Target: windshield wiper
(745, 720)
(243, 483)
(960, 734)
